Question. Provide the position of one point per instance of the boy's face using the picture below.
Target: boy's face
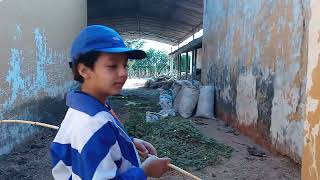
(108, 75)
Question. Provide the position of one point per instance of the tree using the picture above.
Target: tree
(157, 62)
(135, 43)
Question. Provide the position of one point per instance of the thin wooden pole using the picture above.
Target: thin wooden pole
(183, 171)
(56, 127)
(178, 169)
(30, 122)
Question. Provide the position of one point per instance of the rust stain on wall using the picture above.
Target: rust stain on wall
(311, 152)
(260, 138)
(268, 39)
(295, 116)
(315, 89)
(311, 159)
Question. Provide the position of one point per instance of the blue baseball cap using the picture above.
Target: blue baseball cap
(102, 39)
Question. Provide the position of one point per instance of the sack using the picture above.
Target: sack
(165, 101)
(177, 92)
(152, 116)
(165, 113)
(189, 100)
(166, 104)
(206, 102)
(196, 83)
(177, 100)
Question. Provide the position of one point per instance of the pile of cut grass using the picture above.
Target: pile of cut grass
(176, 138)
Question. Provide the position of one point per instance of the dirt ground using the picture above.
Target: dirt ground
(31, 160)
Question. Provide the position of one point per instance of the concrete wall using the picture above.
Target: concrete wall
(255, 53)
(311, 151)
(34, 51)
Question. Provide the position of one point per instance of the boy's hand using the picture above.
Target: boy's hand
(155, 167)
(144, 147)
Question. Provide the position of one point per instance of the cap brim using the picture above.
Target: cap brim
(132, 53)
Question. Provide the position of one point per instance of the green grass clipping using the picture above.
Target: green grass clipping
(176, 138)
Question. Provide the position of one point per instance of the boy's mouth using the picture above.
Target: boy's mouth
(118, 84)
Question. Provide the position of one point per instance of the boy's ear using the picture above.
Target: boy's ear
(84, 71)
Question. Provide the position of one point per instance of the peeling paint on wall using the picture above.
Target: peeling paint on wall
(247, 110)
(41, 46)
(14, 77)
(285, 133)
(28, 86)
(255, 53)
(311, 151)
(18, 33)
(34, 70)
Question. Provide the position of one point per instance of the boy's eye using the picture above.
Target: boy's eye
(112, 66)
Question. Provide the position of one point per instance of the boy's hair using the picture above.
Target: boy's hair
(88, 59)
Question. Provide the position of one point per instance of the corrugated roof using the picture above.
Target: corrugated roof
(167, 21)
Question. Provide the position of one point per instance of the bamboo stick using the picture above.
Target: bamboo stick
(30, 122)
(56, 127)
(183, 171)
(178, 169)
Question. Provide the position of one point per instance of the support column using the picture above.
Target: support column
(186, 65)
(194, 63)
(179, 67)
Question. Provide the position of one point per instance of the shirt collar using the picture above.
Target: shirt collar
(85, 103)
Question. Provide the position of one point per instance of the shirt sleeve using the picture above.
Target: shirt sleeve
(134, 174)
(101, 157)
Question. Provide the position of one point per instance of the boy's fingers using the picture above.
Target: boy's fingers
(150, 148)
(145, 155)
(143, 149)
(168, 160)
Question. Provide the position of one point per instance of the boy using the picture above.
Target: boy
(91, 142)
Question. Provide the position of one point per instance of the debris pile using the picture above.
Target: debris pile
(177, 138)
(163, 82)
(187, 98)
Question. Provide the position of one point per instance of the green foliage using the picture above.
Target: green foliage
(157, 62)
(185, 63)
(135, 44)
(178, 139)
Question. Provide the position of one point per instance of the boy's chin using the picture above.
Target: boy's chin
(116, 93)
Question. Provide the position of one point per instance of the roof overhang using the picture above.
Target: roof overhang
(167, 21)
(194, 44)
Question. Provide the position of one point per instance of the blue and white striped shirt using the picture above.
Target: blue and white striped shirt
(92, 144)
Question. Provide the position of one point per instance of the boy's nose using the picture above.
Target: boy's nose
(123, 72)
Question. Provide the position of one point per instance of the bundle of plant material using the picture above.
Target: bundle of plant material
(178, 139)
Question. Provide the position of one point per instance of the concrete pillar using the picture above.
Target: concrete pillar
(194, 63)
(179, 65)
(186, 65)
